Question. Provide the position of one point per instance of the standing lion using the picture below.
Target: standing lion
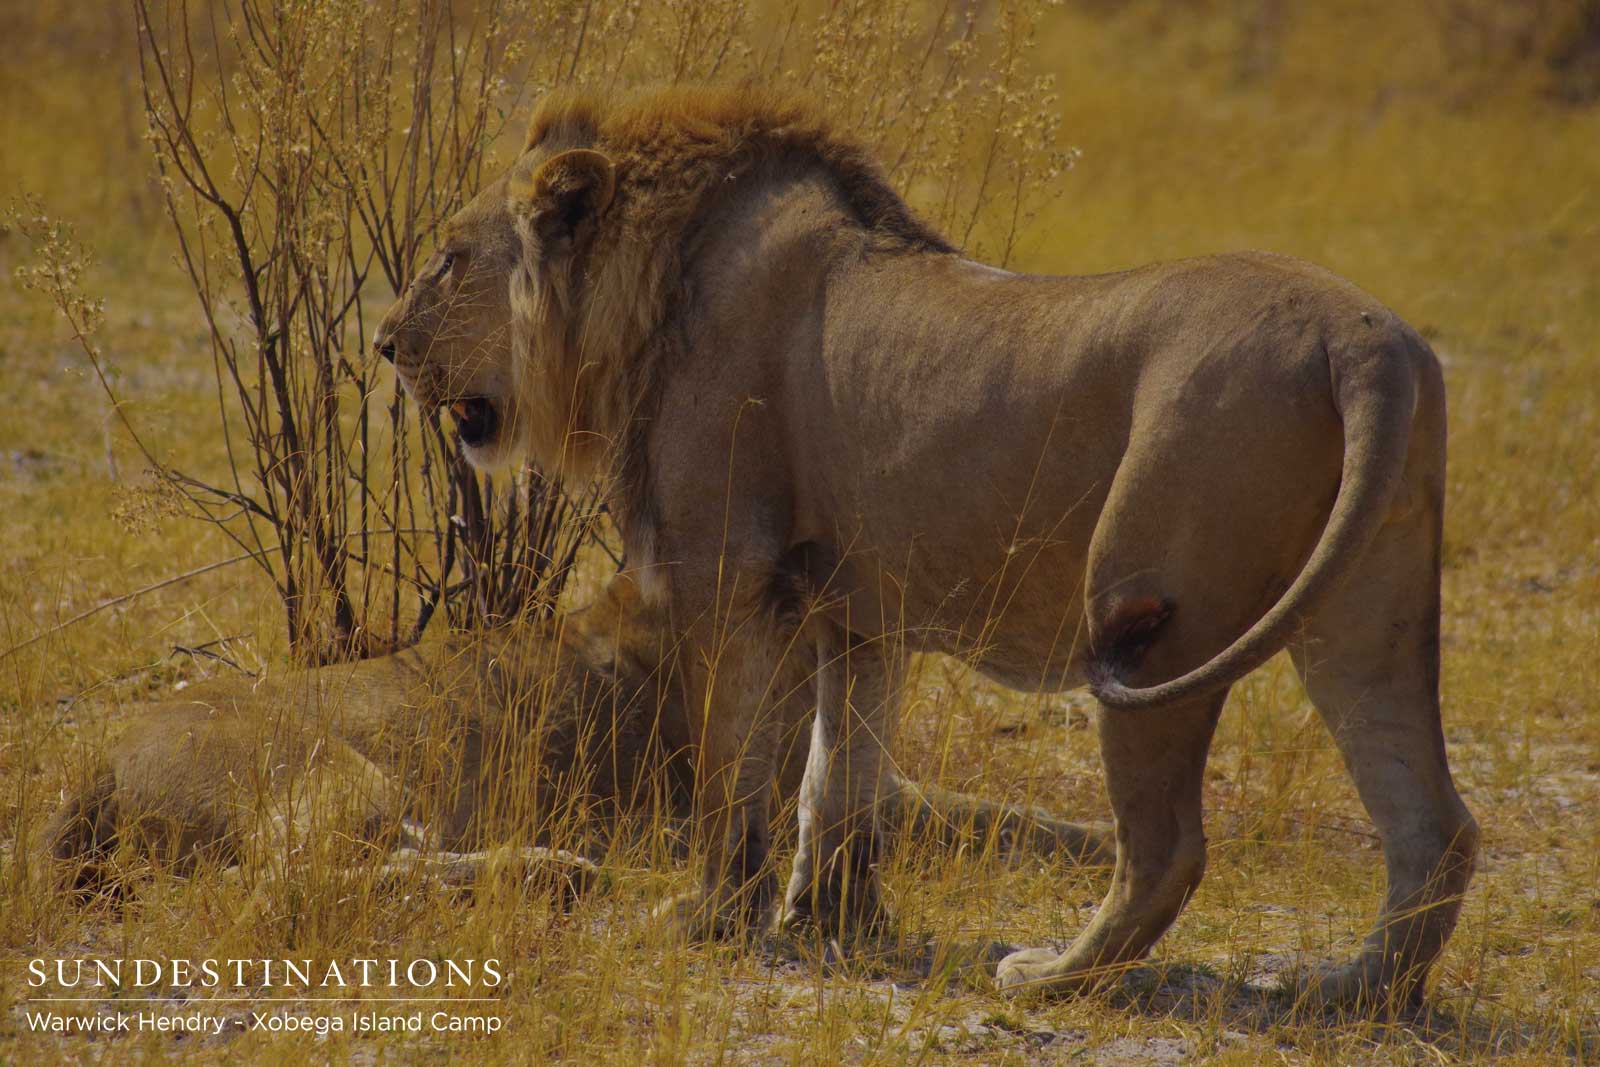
(827, 431)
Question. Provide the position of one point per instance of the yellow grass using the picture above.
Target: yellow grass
(1463, 197)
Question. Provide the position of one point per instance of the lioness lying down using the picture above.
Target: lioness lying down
(544, 734)
(1148, 482)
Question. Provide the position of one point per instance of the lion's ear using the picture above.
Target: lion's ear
(567, 194)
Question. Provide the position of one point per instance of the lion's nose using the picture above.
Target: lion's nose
(384, 346)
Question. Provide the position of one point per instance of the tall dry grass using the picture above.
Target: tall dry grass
(1447, 177)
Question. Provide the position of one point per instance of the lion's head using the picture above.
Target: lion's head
(453, 336)
(539, 319)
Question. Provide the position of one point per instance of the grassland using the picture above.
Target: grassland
(1463, 197)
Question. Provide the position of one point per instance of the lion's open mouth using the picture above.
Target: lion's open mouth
(476, 420)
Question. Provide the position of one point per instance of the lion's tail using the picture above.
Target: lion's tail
(1375, 392)
(951, 819)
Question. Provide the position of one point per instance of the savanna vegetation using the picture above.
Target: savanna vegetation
(212, 204)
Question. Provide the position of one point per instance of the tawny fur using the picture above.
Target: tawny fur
(556, 733)
(714, 300)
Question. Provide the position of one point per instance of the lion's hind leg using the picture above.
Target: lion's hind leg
(1370, 662)
(1155, 762)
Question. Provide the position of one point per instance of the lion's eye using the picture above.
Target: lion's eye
(449, 261)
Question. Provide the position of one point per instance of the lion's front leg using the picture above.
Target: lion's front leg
(849, 775)
(736, 750)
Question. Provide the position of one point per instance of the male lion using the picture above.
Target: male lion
(826, 425)
(551, 732)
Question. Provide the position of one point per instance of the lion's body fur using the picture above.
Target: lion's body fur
(480, 738)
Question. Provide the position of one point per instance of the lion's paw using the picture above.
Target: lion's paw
(1044, 972)
(697, 916)
(1026, 970)
(860, 915)
(686, 915)
(1359, 986)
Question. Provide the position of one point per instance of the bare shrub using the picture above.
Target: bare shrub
(308, 151)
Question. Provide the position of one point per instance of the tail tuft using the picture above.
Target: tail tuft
(1124, 640)
(81, 836)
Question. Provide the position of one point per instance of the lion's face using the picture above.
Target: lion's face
(449, 333)
(486, 311)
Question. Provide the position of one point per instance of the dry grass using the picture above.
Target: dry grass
(1347, 134)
